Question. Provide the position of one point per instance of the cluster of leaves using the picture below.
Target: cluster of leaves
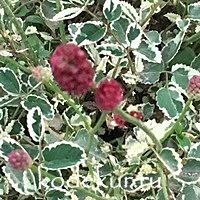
(126, 41)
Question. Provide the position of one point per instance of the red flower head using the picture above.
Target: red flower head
(194, 87)
(108, 95)
(19, 159)
(71, 69)
(119, 120)
(136, 114)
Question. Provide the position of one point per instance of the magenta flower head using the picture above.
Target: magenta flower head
(119, 120)
(193, 88)
(108, 95)
(71, 69)
(19, 159)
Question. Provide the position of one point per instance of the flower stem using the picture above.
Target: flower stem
(58, 180)
(163, 182)
(168, 133)
(52, 85)
(14, 20)
(195, 37)
(155, 6)
(94, 130)
(141, 125)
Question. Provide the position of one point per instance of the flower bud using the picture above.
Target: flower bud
(19, 159)
(193, 88)
(108, 95)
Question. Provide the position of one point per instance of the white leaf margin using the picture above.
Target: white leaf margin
(11, 141)
(14, 183)
(106, 5)
(55, 144)
(85, 41)
(177, 158)
(194, 146)
(136, 42)
(130, 11)
(31, 121)
(68, 13)
(43, 99)
(4, 69)
(180, 98)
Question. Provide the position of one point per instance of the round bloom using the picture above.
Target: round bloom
(19, 159)
(71, 68)
(108, 95)
(193, 88)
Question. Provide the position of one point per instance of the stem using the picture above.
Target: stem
(155, 6)
(9, 12)
(141, 125)
(14, 64)
(168, 133)
(56, 179)
(56, 89)
(163, 182)
(94, 130)
(61, 24)
(195, 37)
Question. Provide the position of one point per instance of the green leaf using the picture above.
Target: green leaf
(196, 63)
(4, 186)
(34, 19)
(184, 142)
(110, 50)
(73, 28)
(184, 56)
(48, 9)
(148, 51)
(112, 10)
(62, 155)
(171, 160)
(151, 72)
(160, 195)
(90, 32)
(180, 75)
(190, 173)
(170, 101)
(8, 100)
(154, 37)
(54, 194)
(183, 24)
(3, 116)
(22, 181)
(82, 138)
(37, 101)
(120, 27)
(35, 124)
(129, 11)
(147, 111)
(134, 35)
(194, 151)
(172, 47)
(9, 82)
(76, 120)
(190, 192)
(14, 127)
(7, 145)
(194, 11)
